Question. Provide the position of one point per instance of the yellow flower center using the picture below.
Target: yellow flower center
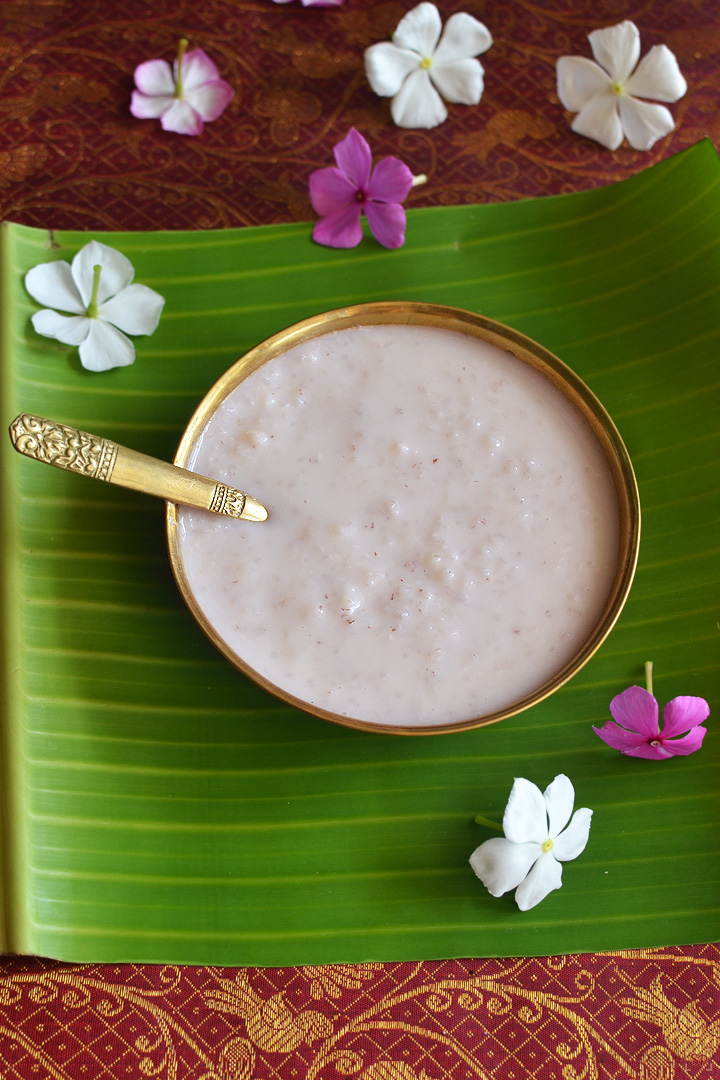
(548, 844)
(617, 89)
(426, 62)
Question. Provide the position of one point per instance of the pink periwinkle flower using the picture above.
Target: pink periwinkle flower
(314, 3)
(185, 96)
(339, 195)
(637, 733)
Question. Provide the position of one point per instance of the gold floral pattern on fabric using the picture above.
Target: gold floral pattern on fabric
(331, 980)
(651, 1015)
(71, 154)
(686, 1033)
(271, 1024)
(288, 108)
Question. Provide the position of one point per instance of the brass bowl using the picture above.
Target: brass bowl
(494, 333)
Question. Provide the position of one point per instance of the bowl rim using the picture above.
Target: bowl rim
(413, 313)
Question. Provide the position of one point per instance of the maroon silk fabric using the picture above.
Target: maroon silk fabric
(72, 156)
(653, 1015)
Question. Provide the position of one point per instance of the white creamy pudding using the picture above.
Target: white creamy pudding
(443, 531)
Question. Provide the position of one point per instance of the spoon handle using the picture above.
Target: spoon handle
(90, 455)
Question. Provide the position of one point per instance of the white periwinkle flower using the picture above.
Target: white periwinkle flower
(605, 94)
(528, 858)
(102, 303)
(413, 67)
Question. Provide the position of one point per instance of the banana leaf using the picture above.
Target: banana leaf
(157, 806)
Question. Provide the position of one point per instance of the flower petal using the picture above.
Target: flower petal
(599, 120)
(559, 797)
(683, 713)
(460, 81)
(579, 80)
(636, 710)
(619, 738)
(330, 191)
(629, 742)
(143, 107)
(182, 119)
(502, 865)
(354, 158)
(70, 329)
(387, 223)
(419, 30)
(643, 123)
(657, 76)
(52, 284)
(464, 36)
(391, 181)
(573, 841)
(197, 68)
(617, 49)
(525, 817)
(136, 310)
(210, 99)
(117, 271)
(155, 77)
(341, 229)
(688, 744)
(418, 104)
(545, 876)
(105, 348)
(387, 67)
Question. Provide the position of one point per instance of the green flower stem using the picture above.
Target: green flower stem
(648, 676)
(182, 46)
(488, 822)
(92, 308)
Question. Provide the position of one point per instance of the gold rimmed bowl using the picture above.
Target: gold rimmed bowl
(190, 531)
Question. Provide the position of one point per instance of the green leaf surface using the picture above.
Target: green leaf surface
(160, 807)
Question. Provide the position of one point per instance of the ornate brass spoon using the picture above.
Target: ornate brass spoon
(89, 455)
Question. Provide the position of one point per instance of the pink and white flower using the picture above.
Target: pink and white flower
(185, 96)
(341, 194)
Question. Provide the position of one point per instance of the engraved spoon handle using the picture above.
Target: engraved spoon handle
(90, 455)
